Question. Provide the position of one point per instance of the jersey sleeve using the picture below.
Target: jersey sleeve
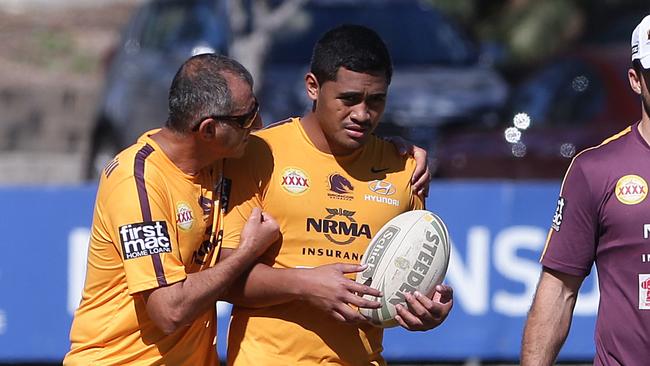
(571, 243)
(142, 227)
(247, 178)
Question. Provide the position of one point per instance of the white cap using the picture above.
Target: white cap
(641, 43)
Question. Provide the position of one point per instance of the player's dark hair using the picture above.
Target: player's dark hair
(355, 47)
(200, 89)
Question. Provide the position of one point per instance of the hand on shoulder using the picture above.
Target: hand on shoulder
(260, 231)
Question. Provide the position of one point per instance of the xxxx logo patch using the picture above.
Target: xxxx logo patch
(631, 189)
(294, 180)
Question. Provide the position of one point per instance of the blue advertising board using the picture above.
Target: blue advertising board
(498, 230)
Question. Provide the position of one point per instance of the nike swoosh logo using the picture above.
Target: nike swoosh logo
(375, 170)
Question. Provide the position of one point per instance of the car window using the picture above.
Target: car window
(580, 98)
(415, 34)
(171, 24)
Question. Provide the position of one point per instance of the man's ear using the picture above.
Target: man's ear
(207, 129)
(635, 80)
(312, 86)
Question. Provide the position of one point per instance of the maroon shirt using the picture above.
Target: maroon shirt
(603, 215)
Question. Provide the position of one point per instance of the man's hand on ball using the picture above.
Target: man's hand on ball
(338, 295)
(423, 313)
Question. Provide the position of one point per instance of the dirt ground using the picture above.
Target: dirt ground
(51, 73)
(61, 44)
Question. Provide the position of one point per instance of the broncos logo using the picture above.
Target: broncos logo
(339, 184)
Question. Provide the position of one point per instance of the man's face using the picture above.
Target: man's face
(349, 109)
(232, 140)
(231, 137)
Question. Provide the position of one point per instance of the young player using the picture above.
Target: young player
(331, 184)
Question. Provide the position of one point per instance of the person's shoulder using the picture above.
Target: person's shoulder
(279, 136)
(119, 174)
(610, 150)
(137, 160)
(379, 146)
(123, 163)
(598, 166)
(257, 153)
(381, 142)
(384, 157)
(276, 129)
(386, 150)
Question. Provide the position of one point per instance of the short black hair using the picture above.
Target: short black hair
(355, 47)
(636, 65)
(200, 89)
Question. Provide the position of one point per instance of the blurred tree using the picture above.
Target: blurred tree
(463, 10)
(253, 22)
(519, 32)
(532, 30)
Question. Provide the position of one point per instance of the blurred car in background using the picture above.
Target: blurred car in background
(573, 102)
(438, 79)
(159, 37)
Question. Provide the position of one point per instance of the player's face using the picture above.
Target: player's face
(349, 108)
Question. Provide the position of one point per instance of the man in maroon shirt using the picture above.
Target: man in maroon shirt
(602, 216)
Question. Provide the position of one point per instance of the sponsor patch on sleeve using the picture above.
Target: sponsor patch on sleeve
(144, 238)
(644, 291)
(559, 214)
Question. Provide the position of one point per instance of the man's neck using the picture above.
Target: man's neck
(644, 127)
(182, 150)
(315, 133)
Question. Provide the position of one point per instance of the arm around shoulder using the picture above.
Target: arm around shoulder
(549, 318)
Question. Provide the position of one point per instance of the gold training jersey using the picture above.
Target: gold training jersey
(151, 227)
(328, 209)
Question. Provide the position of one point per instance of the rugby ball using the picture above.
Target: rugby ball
(409, 253)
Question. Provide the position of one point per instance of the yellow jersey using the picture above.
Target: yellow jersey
(152, 225)
(328, 208)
